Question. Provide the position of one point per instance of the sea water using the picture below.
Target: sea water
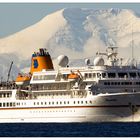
(70, 129)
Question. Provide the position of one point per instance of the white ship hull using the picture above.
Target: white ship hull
(104, 108)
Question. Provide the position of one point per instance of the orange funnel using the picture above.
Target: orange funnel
(41, 60)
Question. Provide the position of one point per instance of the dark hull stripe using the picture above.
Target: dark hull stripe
(62, 107)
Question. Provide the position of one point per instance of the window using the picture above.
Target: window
(122, 75)
(108, 83)
(112, 83)
(7, 104)
(118, 83)
(103, 75)
(90, 75)
(132, 74)
(17, 103)
(78, 102)
(111, 75)
(81, 102)
(126, 83)
(86, 75)
(105, 83)
(94, 75)
(98, 75)
(122, 83)
(0, 104)
(4, 104)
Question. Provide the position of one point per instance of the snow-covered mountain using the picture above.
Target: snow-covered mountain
(77, 33)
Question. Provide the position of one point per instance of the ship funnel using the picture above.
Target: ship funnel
(41, 60)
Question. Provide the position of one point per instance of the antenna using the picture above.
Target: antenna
(132, 46)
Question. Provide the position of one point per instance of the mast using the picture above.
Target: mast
(9, 71)
(132, 47)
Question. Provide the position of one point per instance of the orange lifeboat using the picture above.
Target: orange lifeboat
(73, 76)
(22, 79)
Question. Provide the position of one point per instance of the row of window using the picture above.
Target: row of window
(13, 104)
(51, 86)
(52, 111)
(121, 83)
(53, 94)
(50, 77)
(44, 77)
(64, 102)
(5, 95)
(112, 75)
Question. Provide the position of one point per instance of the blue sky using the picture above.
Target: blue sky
(17, 16)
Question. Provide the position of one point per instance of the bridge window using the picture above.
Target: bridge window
(138, 74)
(132, 74)
(103, 75)
(111, 75)
(122, 75)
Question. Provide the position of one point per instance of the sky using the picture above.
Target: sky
(17, 16)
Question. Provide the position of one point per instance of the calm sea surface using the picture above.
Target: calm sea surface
(70, 130)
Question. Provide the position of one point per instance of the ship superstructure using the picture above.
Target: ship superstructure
(93, 93)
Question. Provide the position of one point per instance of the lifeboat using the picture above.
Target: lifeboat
(73, 76)
(23, 79)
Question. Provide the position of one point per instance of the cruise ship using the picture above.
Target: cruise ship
(94, 93)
